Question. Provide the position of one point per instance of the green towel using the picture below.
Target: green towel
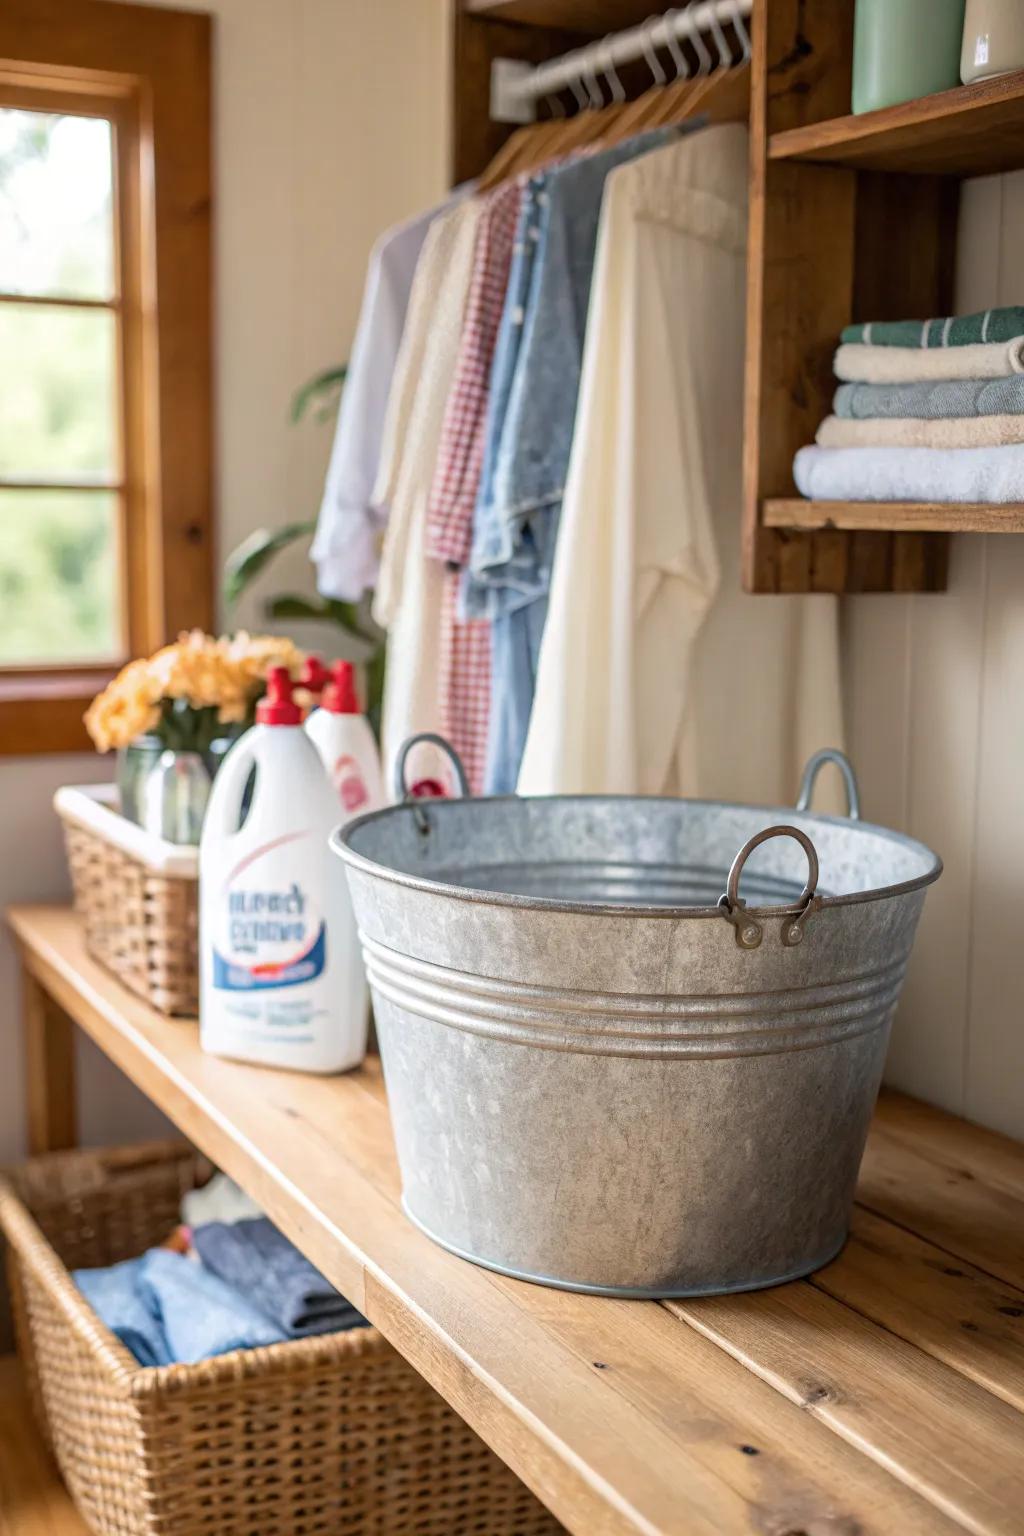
(956, 331)
(932, 401)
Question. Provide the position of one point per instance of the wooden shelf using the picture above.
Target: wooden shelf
(794, 1408)
(970, 131)
(893, 516)
(596, 16)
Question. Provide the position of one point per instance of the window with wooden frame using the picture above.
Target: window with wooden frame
(105, 351)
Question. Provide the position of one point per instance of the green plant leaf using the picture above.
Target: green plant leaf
(349, 617)
(290, 605)
(319, 391)
(245, 562)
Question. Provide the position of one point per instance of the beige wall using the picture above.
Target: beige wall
(936, 724)
(330, 124)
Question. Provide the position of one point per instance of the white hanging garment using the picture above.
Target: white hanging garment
(657, 675)
(410, 587)
(348, 533)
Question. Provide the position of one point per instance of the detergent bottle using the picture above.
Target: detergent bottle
(281, 975)
(342, 736)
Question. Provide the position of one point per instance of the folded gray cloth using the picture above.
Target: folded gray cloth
(933, 401)
(990, 475)
(258, 1260)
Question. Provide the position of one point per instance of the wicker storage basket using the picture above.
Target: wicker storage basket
(321, 1437)
(138, 898)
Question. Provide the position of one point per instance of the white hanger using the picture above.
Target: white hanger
(611, 73)
(591, 82)
(741, 30)
(724, 51)
(704, 60)
(678, 57)
(650, 52)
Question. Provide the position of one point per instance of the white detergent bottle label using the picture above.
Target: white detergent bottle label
(270, 931)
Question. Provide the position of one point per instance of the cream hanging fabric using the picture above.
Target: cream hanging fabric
(410, 588)
(657, 675)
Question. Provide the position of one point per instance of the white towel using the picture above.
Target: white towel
(911, 474)
(919, 432)
(862, 364)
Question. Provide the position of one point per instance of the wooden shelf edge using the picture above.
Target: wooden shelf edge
(893, 516)
(949, 123)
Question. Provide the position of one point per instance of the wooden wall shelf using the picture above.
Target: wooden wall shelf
(851, 219)
(895, 516)
(971, 131)
(594, 16)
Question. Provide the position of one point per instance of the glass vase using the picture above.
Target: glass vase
(174, 797)
(134, 763)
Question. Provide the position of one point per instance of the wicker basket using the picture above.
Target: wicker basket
(331, 1435)
(138, 898)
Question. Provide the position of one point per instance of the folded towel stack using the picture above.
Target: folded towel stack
(927, 410)
(227, 1279)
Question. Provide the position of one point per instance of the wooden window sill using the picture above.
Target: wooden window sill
(42, 712)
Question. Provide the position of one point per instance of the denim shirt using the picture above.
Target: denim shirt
(535, 381)
(473, 601)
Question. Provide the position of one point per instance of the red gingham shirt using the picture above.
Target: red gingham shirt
(465, 682)
(461, 454)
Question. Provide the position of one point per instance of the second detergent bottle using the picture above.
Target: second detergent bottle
(281, 975)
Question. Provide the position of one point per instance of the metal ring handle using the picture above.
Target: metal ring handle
(810, 774)
(402, 793)
(749, 932)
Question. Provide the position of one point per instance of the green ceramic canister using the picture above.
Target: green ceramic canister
(903, 49)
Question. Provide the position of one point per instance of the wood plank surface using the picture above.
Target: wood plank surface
(940, 1199)
(33, 1501)
(943, 1305)
(869, 1387)
(910, 516)
(617, 1415)
(969, 131)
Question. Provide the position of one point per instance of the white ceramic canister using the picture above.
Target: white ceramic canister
(993, 39)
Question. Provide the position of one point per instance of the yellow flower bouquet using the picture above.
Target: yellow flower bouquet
(190, 693)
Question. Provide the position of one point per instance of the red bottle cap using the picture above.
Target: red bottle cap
(313, 675)
(277, 707)
(339, 695)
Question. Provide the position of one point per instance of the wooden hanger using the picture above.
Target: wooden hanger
(728, 100)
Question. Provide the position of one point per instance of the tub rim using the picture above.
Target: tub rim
(340, 844)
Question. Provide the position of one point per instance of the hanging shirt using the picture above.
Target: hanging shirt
(656, 674)
(466, 643)
(409, 596)
(345, 548)
(460, 460)
(515, 519)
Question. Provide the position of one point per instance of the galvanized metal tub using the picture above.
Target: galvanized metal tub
(605, 1071)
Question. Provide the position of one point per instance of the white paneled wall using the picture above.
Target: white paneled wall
(935, 696)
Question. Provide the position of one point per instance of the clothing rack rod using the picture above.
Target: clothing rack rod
(515, 88)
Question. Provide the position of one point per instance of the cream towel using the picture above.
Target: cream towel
(917, 432)
(906, 365)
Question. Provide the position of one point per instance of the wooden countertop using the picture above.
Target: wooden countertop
(883, 1397)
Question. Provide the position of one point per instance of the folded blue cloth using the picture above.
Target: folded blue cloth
(114, 1296)
(165, 1309)
(201, 1316)
(257, 1259)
